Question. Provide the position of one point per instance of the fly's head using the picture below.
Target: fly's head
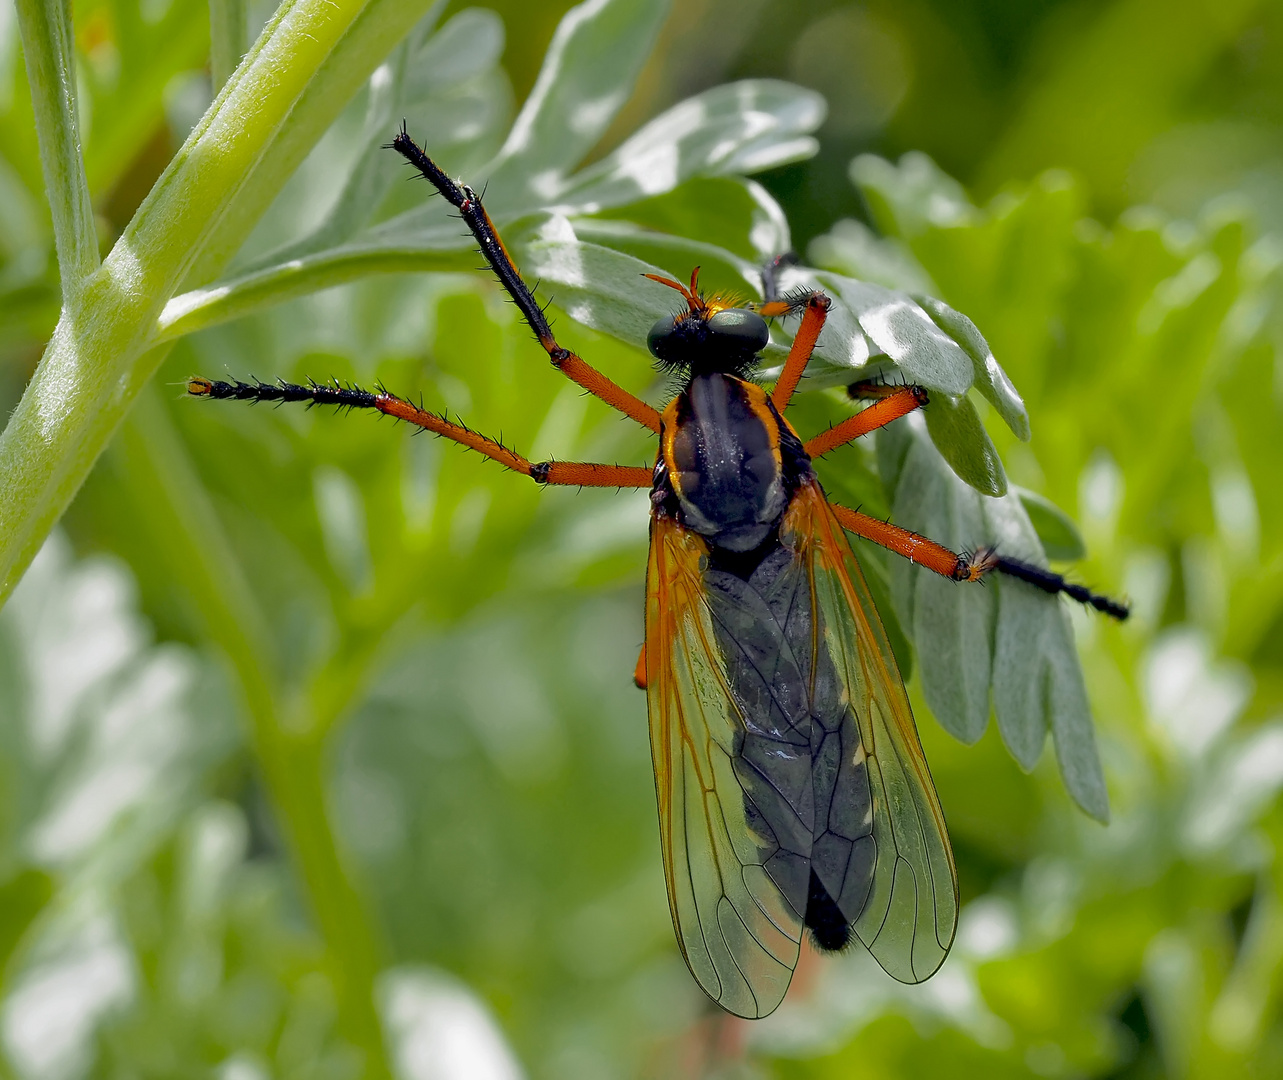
(713, 334)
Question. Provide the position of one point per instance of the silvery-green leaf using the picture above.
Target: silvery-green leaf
(415, 83)
(1038, 681)
(991, 380)
(1016, 634)
(720, 270)
(960, 436)
(595, 285)
(1239, 782)
(468, 45)
(912, 196)
(851, 248)
(1019, 681)
(1071, 726)
(952, 623)
(895, 325)
(1056, 529)
(742, 127)
(730, 212)
(587, 75)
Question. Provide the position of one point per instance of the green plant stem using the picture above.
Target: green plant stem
(45, 26)
(171, 504)
(303, 69)
(227, 39)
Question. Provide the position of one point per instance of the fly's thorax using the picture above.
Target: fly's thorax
(730, 461)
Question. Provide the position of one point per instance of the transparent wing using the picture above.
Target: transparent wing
(735, 838)
(900, 891)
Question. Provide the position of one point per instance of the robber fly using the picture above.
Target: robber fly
(792, 789)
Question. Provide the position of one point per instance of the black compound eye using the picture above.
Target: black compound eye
(740, 329)
(659, 334)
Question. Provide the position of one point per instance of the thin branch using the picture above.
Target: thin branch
(227, 38)
(47, 47)
(304, 68)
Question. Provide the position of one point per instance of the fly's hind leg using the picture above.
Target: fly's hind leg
(968, 567)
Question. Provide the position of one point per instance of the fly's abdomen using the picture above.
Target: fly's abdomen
(800, 762)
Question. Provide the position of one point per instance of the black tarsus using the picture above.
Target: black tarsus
(1051, 582)
(314, 393)
(468, 203)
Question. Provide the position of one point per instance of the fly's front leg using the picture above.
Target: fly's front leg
(474, 215)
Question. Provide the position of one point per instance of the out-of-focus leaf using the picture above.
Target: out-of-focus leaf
(1071, 725)
(109, 741)
(1020, 646)
(116, 733)
(22, 898)
(586, 77)
(959, 435)
(732, 129)
(433, 1018)
(912, 198)
(991, 380)
(742, 127)
(851, 248)
(1056, 530)
(465, 47)
(1242, 779)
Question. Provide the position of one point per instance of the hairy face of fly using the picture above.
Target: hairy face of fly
(710, 336)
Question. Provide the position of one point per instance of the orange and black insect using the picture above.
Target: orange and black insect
(792, 788)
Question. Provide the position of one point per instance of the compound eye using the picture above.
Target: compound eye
(740, 328)
(659, 334)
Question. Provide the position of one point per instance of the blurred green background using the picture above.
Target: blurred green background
(294, 707)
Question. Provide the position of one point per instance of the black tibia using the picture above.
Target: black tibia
(1056, 583)
(467, 202)
(799, 759)
(313, 393)
(771, 275)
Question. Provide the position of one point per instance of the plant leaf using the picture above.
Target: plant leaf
(1017, 637)
(898, 328)
(952, 624)
(595, 285)
(990, 379)
(1071, 726)
(910, 197)
(741, 127)
(587, 75)
(851, 248)
(959, 435)
(1056, 530)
